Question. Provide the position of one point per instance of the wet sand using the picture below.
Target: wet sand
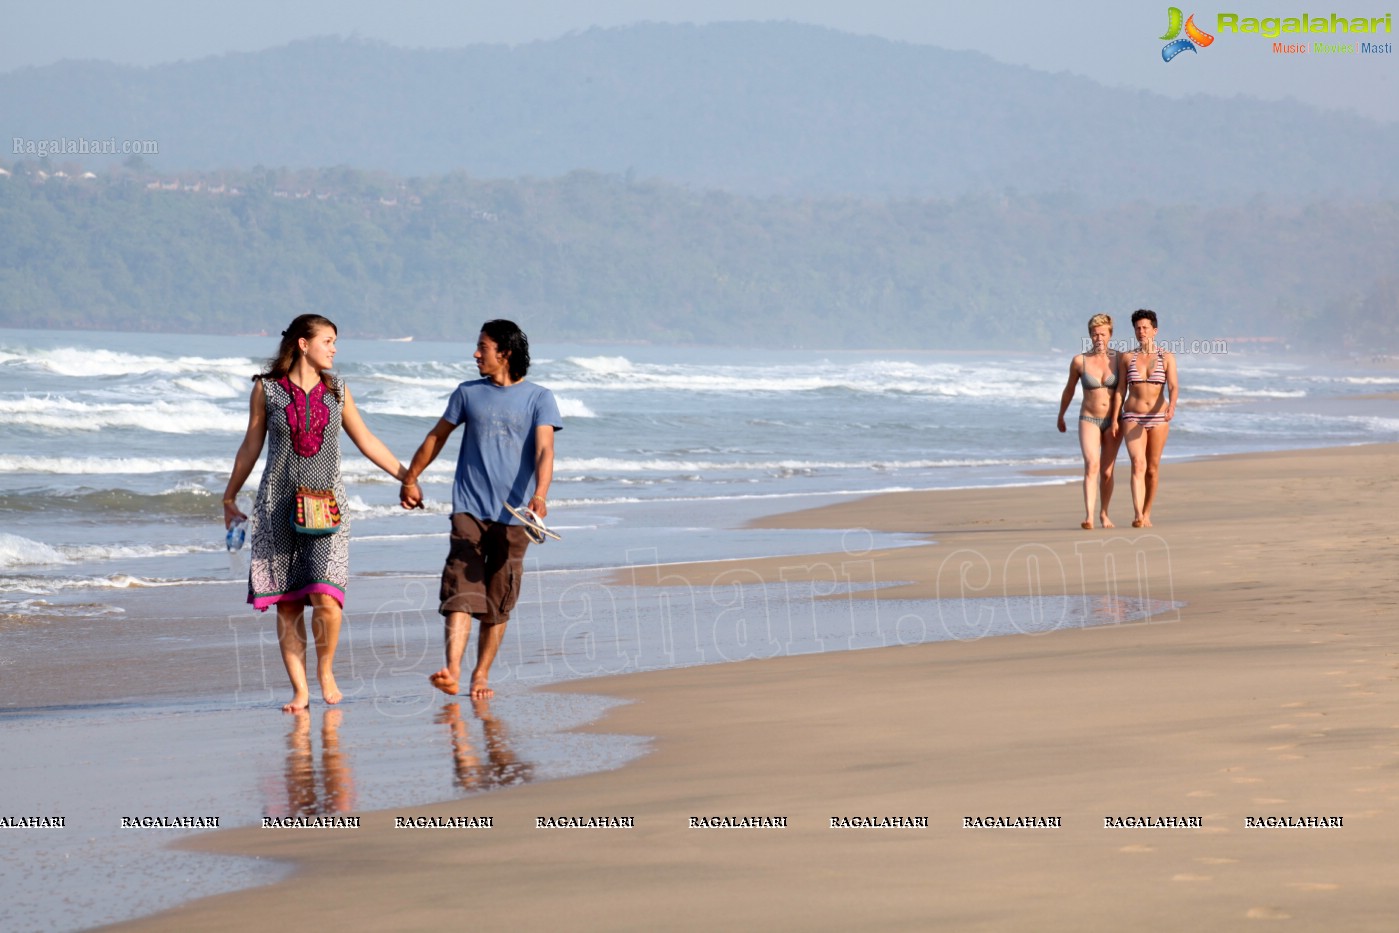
(1268, 697)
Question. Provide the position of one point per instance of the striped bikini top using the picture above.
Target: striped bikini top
(1157, 374)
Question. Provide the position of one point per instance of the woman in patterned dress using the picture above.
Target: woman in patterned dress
(300, 406)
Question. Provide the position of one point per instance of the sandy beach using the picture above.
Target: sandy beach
(1234, 760)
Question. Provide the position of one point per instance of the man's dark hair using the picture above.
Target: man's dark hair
(1144, 314)
(510, 340)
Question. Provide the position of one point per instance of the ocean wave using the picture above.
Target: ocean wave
(605, 365)
(42, 586)
(354, 469)
(574, 408)
(77, 466)
(429, 405)
(1238, 392)
(1037, 381)
(1375, 424)
(59, 413)
(660, 465)
(594, 501)
(17, 551)
(438, 384)
(187, 499)
(1370, 380)
(41, 609)
(215, 386)
(87, 362)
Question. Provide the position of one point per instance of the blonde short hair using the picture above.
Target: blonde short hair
(1099, 320)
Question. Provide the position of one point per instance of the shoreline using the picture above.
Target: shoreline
(1270, 694)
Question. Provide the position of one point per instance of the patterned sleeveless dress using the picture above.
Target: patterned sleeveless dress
(303, 449)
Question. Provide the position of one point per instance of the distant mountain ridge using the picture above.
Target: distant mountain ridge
(597, 257)
(752, 108)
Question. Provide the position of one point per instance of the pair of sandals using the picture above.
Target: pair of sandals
(534, 525)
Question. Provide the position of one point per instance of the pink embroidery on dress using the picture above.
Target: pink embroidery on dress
(307, 428)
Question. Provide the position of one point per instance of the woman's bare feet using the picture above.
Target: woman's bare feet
(1086, 526)
(1107, 522)
(330, 692)
(299, 701)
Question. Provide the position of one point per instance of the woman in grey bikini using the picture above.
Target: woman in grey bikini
(1096, 371)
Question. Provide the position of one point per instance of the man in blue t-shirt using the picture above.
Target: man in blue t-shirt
(507, 451)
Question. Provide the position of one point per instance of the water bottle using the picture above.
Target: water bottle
(236, 533)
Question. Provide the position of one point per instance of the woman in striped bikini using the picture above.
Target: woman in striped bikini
(1096, 371)
(1146, 397)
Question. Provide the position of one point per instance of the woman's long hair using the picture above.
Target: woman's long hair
(289, 351)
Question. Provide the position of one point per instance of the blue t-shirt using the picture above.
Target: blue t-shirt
(496, 461)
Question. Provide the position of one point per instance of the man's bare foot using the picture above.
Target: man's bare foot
(479, 690)
(1107, 522)
(444, 681)
(298, 703)
(330, 692)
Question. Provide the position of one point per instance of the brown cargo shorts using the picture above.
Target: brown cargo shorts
(484, 567)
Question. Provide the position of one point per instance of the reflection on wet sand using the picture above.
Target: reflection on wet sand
(313, 791)
(500, 768)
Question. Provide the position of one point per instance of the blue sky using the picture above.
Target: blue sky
(1115, 42)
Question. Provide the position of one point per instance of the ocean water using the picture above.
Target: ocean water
(114, 453)
(114, 448)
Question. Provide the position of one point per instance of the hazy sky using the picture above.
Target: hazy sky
(1115, 42)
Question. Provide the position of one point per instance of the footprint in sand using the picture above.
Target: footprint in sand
(1185, 877)
(1268, 801)
(1267, 913)
(1200, 793)
(1314, 886)
(1137, 849)
(1216, 860)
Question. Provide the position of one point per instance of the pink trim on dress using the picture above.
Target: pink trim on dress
(263, 603)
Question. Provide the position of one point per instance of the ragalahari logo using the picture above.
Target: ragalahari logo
(1193, 36)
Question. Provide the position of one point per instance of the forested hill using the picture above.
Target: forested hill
(589, 256)
(756, 108)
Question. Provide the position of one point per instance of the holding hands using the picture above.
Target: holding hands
(410, 496)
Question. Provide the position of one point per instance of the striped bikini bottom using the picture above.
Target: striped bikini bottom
(1147, 419)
